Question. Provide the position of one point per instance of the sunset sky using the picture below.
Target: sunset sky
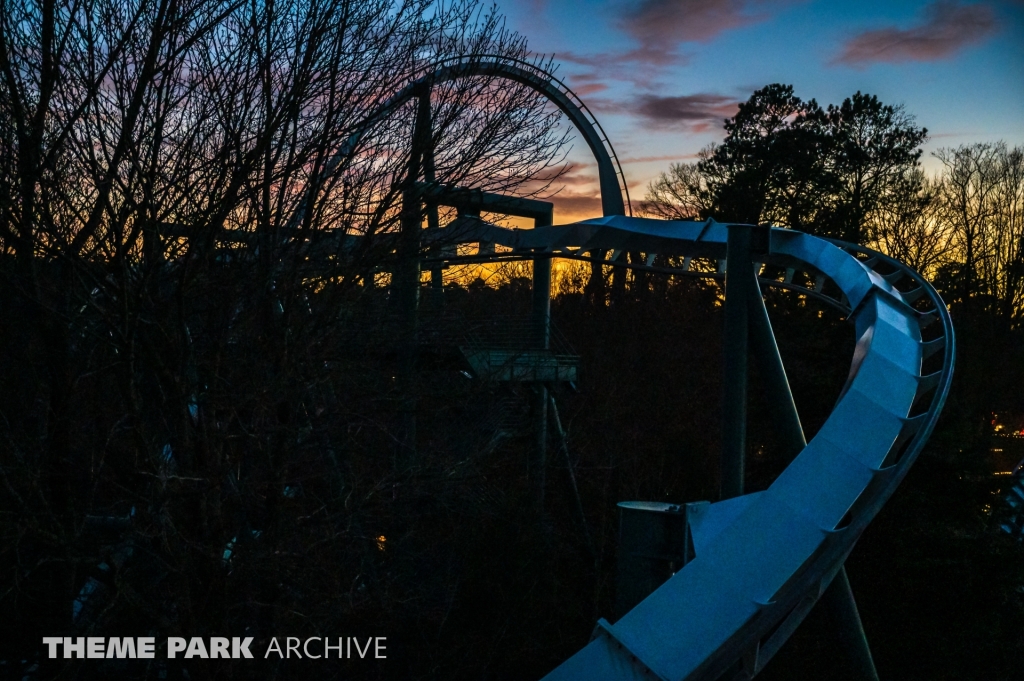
(661, 75)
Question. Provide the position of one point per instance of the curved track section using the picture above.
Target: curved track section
(764, 559)
(611, 178)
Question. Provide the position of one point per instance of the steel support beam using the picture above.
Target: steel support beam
(563, 444)
(541, 303)
(433, 222)
(472, 201)
(780, 397)
(838, 598)
(406, 284)
(537, 470)
(842, 610)
(541, 322)
(734, 384)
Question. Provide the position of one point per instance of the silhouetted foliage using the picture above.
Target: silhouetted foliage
(832, 172)
(199, 411)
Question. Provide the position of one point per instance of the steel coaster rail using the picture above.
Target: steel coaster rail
(566, 90)
(758, 573)
(513, 256)
(545, 83)
(764, 559)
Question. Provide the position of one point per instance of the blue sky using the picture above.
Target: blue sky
(661, 75)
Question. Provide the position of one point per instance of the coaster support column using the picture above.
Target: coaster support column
(541, 332)
(841, 607)
(406, 284)
(781, 405)
(739, 278)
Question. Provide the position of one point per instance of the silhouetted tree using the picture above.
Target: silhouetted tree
(196, 406)
(908, 226)
(683, 193)
(788, 162)
(769, 167)
(872, 152)
(981, 195)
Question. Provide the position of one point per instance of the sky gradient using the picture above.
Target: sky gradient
(662, 75)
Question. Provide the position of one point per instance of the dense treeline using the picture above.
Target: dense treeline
(199, 412)
(853, 172)
(197, 402)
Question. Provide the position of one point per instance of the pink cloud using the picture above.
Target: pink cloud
(576, 206)
(575, 178)
(697, 113)
(579, 175)
(947, 28)
(593, 60)
(660, 157)
(661, 25)
(618, 66)
(589, 89)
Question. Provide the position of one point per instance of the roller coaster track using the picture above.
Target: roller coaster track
(610, 176)
(764, 559)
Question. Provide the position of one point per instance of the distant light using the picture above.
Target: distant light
(380, 542)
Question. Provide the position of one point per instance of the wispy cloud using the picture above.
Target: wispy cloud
(695, 113)
(582, 174)
(660, 28)
(661, 25)
(659, 157)
(575, 192)
(587, 83)
(589, 88)
(576, 206)
(945, 29)
(631, 67)
(578, 178)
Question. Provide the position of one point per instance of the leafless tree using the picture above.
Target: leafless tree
(683, 193)
(1007, 270)
(188, 242)
(908, 227)
(982, 196)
